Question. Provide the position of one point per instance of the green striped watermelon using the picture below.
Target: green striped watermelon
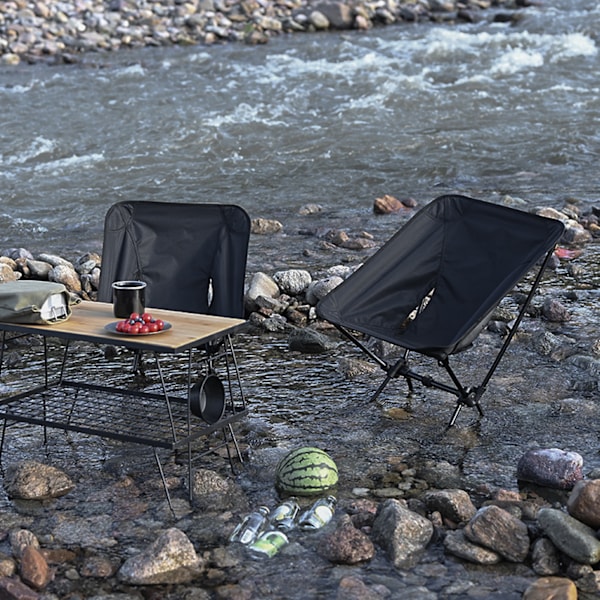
(306, 472)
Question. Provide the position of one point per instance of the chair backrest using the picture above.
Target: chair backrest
(192, 256)
(463, 255)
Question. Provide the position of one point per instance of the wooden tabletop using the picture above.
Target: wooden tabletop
(89, 322)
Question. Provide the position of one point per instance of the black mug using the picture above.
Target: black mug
(128, 297)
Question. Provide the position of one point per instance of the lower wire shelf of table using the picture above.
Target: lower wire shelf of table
(126, 415)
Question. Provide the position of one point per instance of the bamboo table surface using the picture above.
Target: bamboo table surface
(89, 321)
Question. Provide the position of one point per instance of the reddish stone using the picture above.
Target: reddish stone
(34, 568)
(584, 502)
(386, 205)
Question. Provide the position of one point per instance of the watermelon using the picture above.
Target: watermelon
(306, 472)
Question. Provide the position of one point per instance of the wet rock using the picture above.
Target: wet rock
(35, 571)
(584, 502)
(38, 269)
(546, 343)
(292, 281)
(455, 505)
(8, 567)
(362, 513)
(30, 480)
(273, 324)
(21, 539)
(99, 567)
(320, 288)
(457, 544)
(551, 467)
(544, 557)
(7, 273)
(170, 559)
(339, 14)
(213, 492)
(589, 583)
(310, 209)
(261, 284)
(575, 233)
(441, 474)
(309, 341)
(352, 588)
(351, 368)
(16, 253)
(570, 536)
(496, 529)
(358, 243)
(67, 276)
(554, 311)
(403, 534)
(318, 20)
(551, 588)
(13, 589)
(55, 260)
(347, 544)
(387, 204)
(265, 226)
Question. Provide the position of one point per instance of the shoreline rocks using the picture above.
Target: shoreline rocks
(62, 31)
(525, 528)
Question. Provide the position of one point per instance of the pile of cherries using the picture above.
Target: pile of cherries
(138, 324)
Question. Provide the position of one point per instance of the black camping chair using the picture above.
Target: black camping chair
(433, 286)
(192, 258)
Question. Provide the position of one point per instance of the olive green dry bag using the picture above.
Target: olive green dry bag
(35, 302)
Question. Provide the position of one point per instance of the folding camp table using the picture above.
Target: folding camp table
(158, 420)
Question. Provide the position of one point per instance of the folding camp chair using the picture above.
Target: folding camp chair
(192, 258)
(434, 285)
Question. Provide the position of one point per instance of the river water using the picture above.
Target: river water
(337, 119)
(506, 113)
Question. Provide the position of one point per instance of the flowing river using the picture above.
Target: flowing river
(498, 111)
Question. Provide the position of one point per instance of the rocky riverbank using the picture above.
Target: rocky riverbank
(89, 520)
(62, 31)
